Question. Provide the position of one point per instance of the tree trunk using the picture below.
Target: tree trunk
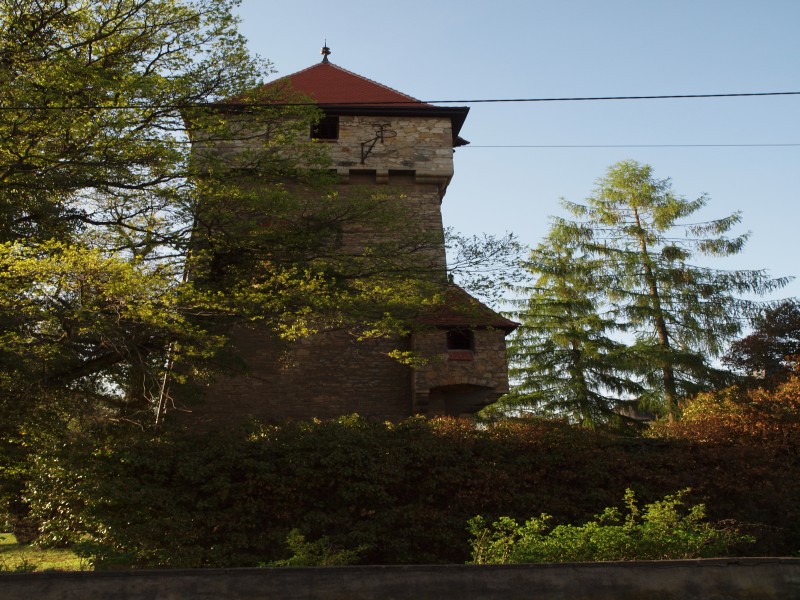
(667, 369)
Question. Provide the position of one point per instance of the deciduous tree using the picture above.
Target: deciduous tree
(127, 246)
(96, 196)
(769, 354)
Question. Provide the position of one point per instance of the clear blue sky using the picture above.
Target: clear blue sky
(481, 49)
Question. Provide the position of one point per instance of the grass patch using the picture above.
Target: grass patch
(18, 558)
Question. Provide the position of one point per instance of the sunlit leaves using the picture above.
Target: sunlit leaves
(665, 529)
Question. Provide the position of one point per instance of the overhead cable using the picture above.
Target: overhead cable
(403, 103)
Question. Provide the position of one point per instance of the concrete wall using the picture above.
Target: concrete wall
(715, 579)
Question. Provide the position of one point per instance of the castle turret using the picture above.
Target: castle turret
(376, 138)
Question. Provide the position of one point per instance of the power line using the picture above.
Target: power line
(174, 142)
(596, 98)
(633, 146)
(403, 103)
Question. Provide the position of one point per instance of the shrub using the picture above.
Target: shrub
(319, 553)
(753, 416)
(663, 530)
(376, 493)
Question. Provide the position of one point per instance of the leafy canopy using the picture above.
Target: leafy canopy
(769, 354)
(153, 194)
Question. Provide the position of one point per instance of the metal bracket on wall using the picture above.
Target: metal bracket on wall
(381, 132)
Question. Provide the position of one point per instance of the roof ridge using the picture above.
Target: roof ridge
(378, 83)
(308, 68)
(399, 97)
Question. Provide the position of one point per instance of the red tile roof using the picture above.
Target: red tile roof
(329, 84)
(341, 92)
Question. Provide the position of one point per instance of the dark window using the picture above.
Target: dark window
(326, 129)
(459, 339)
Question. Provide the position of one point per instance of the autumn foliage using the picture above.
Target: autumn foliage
(768, 418)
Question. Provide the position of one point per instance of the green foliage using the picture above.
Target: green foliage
(319, 553)
(634, 251)
(153, 194)
(95, 196)
(74, 312)
(562, 358)
(93, 135)
(377, 493)
(100, 197)
(662, 530)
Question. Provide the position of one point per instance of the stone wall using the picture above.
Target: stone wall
(416, 225)
(479, 376)
(421, 144)
(488, 366)
(330, 375)
(713, 579)
(325, 375)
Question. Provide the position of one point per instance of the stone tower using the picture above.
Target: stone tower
(376, 136)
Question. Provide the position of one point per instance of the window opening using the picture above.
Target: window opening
(459, 339)
(326, 129)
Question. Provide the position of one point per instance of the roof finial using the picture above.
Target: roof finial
(325, 52)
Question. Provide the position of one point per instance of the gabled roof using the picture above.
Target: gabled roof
(330, 84)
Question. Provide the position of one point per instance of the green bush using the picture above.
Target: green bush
(663, 530)
(319, 553)
(375, 493)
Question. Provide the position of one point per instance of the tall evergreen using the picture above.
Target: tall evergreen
(562, 358)
(680, 314)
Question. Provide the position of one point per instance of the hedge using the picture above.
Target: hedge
(382, 493)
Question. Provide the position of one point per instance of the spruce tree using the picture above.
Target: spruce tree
(562, 358)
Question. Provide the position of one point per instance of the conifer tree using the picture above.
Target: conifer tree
(680, 314)
(562, 357)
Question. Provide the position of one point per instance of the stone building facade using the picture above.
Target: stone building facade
(377, 137)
